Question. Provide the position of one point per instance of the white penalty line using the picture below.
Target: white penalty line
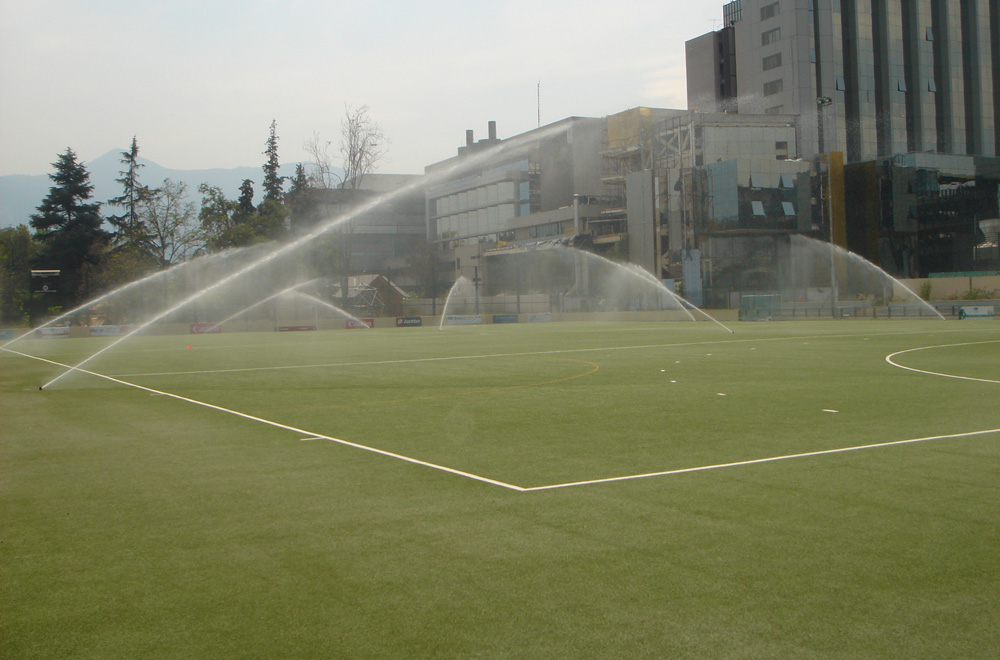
(305, 435)
(757, 461)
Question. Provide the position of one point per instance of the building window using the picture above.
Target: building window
(774, 87)
(787, 180)
(757, 208)
(931, 85)
(841, 84)
(901, 85)
(930, 34)
(771, 61)
(788, 208)
(781, 150)
(770, 37)
(769, 11)
(776, 110)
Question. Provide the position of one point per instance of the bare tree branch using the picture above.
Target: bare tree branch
(362, 146)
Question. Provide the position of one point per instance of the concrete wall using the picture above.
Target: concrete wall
(949, 288)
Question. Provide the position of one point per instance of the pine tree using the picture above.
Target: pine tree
(299, 196)
(244, 205)
(272, 181)
(69, 227)
(129, 227)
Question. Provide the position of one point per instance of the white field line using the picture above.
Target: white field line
(325, 365)
(307, 435)
(757, 461)
(889, 359)
(302, 433)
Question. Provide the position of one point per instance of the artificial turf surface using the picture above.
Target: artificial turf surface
(139, 525)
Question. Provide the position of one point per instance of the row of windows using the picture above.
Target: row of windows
(771, 62)
(476, 222)
(787, 208)
(761, 180)
(770, 36)
(777, 86)
(497, 193)
(769, 11)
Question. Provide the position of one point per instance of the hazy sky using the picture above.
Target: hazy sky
(198, 82)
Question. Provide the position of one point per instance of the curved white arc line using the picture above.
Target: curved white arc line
(284, 427)
(888, 358)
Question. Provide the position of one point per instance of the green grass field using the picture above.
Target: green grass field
(646, 490)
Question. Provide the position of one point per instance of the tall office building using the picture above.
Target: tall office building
(869, 78)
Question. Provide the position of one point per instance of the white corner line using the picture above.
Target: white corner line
(757, 461)
(308, 435)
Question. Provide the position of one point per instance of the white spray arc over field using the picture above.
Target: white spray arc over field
(259, 303)
(134, 284)
(569, 272)
(324, 227)
(643, 274)
(462, 283)
(871, 279)
(319, 301)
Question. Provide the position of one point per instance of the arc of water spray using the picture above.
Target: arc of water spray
(447, 301)
(649, 277)
(684, 301)
(320, 301)
(122, 289)
(259, 303)
(835, 249)
(498, 150)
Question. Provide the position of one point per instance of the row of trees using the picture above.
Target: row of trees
(156, 227)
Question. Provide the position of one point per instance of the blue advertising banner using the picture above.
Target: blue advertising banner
(464, 319)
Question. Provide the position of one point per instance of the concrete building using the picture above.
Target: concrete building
(377, 241)
(502, 193)
(923, 215)
(869, 78)
(708, 195)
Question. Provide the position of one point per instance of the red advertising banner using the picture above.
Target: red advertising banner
(360, 323)
(202, 328)
(296, 328)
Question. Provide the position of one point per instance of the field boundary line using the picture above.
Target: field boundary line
(556, 351)
(888, 358)
(771, 459)
(284, 427)
(756, 461)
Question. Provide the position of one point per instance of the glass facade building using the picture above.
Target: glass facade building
(896, 76)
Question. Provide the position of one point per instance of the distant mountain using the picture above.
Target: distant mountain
(21, 194)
